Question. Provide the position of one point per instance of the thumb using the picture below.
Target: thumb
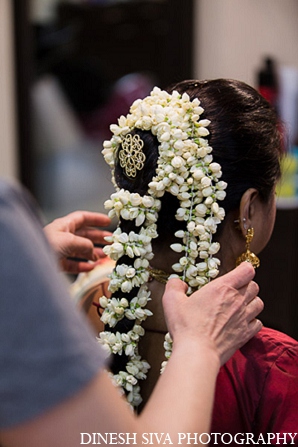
(240, 276)
(174, 288)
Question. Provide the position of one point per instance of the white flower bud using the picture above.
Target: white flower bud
(116, 130)
(129, 350)
(130, 252)
(207, 191)
(178, 248)
(205, 182)
(168, 169)
(210, 224)
(140, 219)
(183, 261)
(174, 189)
(108, 204)
(215, 167)
(165, 136)
(107, 144)
(204, 123)
(177, 162)
(177, 267)
(103, 301)
(193, 245)
(130, 273)
(221, 213)
(201, 280)
(191, 271)
(203, 254)
(148, 201)
(191, 226)
(126, 286)
(180, 233)
(135, 199)
(214, 207)
(213, 273)
(208, 201)
(201, 210)
(202, 266)
(214, 248)
(119, 310)
(220, 195)
(202, 131)
(147, 123)
(166, 181)
(125, 214)
(180, 214)
(124, 302)
(179, 145)
(221, 185)
(204, 245)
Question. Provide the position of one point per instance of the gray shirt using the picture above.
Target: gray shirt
(47, 350)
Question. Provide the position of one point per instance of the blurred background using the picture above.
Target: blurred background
(70, 68)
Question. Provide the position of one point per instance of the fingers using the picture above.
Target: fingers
(99, 253)
(81, 247)
(240, 276)
(254, 327)
(175, 289)
(177, 286)
(88, 219)
(250, 292)
(96, 236)
(75, 267)
(254, 308)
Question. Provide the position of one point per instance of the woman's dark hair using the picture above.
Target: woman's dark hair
(244, 134)
(246, 140)
(245, 137)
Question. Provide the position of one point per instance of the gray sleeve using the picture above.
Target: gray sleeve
(47, 350)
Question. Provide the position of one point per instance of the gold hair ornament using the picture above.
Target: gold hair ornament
(248, 256)
(131, 156)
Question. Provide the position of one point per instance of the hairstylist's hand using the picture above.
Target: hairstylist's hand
(74, 236)
(221, 315)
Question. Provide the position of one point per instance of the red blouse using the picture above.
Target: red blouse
(257, 390)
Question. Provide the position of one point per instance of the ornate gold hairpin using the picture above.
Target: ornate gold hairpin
(131, 156)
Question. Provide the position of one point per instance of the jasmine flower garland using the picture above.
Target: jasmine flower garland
(185, 169)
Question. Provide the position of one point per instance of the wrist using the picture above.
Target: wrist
(197, 349)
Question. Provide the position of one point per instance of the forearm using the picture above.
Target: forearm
(181, 403)
(182, 400)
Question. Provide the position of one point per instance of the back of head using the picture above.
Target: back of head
(245, 138)
(244, 135)
(181, 159)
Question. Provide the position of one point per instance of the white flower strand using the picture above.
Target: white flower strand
(185, 169)
(115, 309)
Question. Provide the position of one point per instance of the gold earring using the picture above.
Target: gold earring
(248, 256)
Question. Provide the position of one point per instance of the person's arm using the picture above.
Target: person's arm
(206, 328)
(74, 236)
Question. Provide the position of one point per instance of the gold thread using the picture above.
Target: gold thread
(131, 156)
(159, 275)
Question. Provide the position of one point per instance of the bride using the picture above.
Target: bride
(195, 170)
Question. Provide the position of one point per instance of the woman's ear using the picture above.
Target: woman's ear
(247, 209)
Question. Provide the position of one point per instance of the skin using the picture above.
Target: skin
(257, 214)
(230, 303)
(75, 236)
(252, 213)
